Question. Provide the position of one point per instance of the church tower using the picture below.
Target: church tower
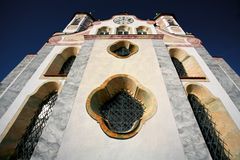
(121, 88)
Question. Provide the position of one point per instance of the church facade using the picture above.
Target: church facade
(121, 88)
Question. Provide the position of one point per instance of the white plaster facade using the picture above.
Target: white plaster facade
(82, 137)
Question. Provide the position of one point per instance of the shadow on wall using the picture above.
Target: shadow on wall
(219, 130)
(22, 137)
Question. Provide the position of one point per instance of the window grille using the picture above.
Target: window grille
(122, 51)
(31, 136)
(67, 65)
(211, 135)
(122, 112)
(179, 67)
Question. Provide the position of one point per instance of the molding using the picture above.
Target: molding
(129, 36)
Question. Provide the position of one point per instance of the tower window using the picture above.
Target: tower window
(140, 32)
(171, 22)
(67, 65)
(103, 31)
(123, 30)
(143, 30)
(76, 21)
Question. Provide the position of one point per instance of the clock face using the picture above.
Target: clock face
(123, 20)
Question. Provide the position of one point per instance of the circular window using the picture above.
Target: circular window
(122, 49)
(121, 106)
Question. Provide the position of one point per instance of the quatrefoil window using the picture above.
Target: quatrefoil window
(122, 49)
(121, 105)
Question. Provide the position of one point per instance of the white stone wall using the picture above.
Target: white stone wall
(158, 138)
(31, 87)
(213, 85)
(113, 26)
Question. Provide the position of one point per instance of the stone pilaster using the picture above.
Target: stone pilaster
(12, 92)
(15, 72)
(223, 78)
(188, 129)
(51, 138)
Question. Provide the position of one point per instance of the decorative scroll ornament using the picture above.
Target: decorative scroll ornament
(123, 20)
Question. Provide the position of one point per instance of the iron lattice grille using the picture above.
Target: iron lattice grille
(122, 112)
(31, 136)
(211, 135)
(67, 65)
(179, 67)
(122, 51)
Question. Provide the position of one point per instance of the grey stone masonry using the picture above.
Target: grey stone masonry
(12, 92)
(229, 71)
(15, 72)
(188, 129)
(51, 138)
(223, 78)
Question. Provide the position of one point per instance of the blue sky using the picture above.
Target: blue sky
(27, 25)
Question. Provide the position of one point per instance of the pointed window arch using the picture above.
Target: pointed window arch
(186, 66)
(23, 136)
(219, 130)
(104, 31)
(123, 30)
(62, 63)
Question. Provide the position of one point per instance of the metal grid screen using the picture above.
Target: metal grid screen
(67, 65)
(179, 67)
(30, 138)
(211, 135)
(122, 112)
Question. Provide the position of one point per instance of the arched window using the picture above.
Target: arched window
(62, 63)
(186, 66)
(218, 129)
(67, 65)
(23, 136)
(104, 31)
(123, 30)
(142, 30)
(179, 67)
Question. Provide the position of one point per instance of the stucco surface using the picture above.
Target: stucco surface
(83, 137)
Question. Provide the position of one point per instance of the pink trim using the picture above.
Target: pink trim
(129, 36)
